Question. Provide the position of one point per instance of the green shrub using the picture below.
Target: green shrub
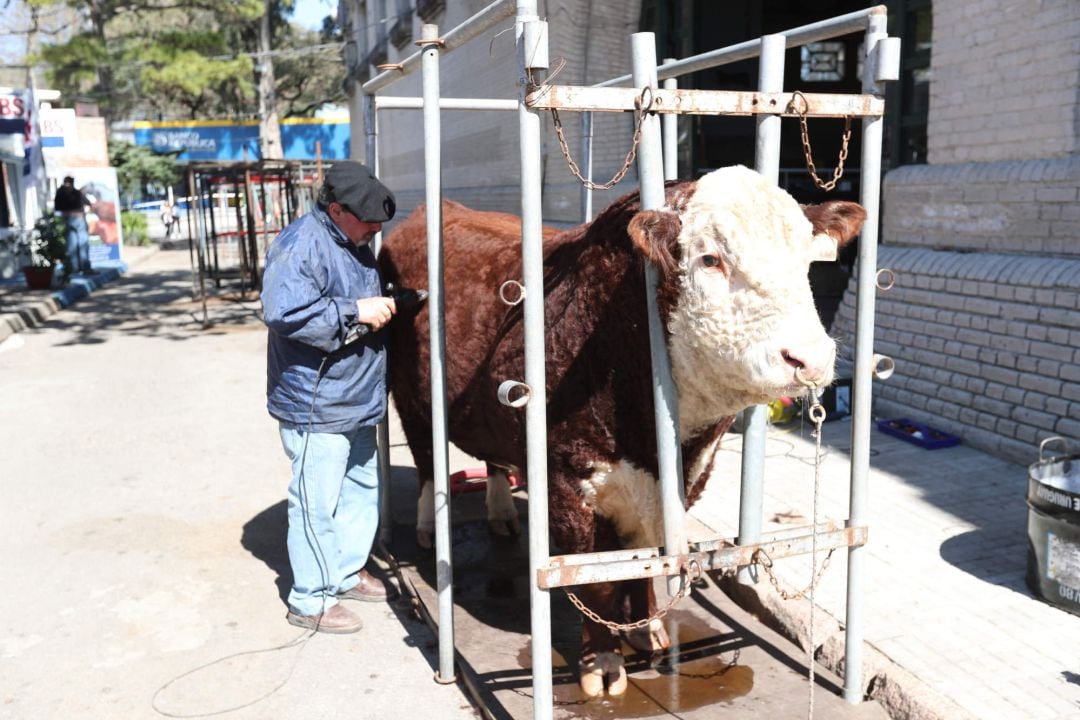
(136, 231)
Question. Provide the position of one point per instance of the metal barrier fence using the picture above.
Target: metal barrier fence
(768, 105)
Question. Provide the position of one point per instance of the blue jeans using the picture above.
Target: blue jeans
(333, 512)
(78, 244)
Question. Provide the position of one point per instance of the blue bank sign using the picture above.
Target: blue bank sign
(301, 138)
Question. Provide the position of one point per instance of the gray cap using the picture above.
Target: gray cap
(353, 185)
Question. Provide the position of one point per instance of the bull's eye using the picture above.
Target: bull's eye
(712, 262)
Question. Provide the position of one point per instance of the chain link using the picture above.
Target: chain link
(642, 110)
(762, 559)
(839, 171)
(691, 567)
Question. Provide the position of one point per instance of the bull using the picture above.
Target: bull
(732, 253)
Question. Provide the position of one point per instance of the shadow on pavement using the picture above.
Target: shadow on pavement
(157, 305)
(264, 536)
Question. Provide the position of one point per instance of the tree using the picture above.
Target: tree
(88, 64)
(138, 167)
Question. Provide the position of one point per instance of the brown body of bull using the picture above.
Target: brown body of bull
(599, 381)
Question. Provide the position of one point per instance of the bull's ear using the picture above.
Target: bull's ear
(656, 233)
(835, 223)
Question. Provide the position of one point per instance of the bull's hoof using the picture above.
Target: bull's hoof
(425, 537)
(651, 639)
(506, 527)
(605, 671)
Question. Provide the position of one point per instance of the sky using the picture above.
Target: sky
(310, 13)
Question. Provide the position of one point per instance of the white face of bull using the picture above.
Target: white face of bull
(745, 319)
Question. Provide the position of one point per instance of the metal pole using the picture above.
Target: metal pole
(665, 400)
(532, 253)
(200, 229)
(586, 161)
(487, 18)
(396, 102)
(755, 419)
(382, 432)
(670, 124)
(870, 195)
(429, 41)
(795, 37)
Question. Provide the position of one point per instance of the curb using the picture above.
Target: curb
(901, 694)
(35, 313)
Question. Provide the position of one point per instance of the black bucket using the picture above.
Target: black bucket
(1053, 500)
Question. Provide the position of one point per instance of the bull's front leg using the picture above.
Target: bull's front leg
(641, 604)
(425, 514)
(502, 516)
(601, 665)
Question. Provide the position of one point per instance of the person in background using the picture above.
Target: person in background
(326, 387)
(167, 219)
(71, 204)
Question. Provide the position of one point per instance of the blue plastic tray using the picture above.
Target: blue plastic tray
(917, 433)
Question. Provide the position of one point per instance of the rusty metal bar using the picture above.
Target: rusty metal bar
(598, 568)
(795, 37)
(706, 102)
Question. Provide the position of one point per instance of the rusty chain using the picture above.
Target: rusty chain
(839, 171)
(642, 110)
(689, 572)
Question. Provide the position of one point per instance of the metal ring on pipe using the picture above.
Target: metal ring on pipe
(508, 387)
(520, 289)
(883, 367)
(888, 273)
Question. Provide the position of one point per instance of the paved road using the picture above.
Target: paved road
(142, 527)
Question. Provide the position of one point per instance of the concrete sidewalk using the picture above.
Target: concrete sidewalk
(143, 527)
(22, 308)
(951, 627)
(145, 520)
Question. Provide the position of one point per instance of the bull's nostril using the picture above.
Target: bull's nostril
(792, 360)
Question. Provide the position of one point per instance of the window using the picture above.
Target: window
(908, 101)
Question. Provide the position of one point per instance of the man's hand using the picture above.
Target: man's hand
(375, 311)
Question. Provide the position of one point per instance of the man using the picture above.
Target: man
(326, 386)
(71, 203)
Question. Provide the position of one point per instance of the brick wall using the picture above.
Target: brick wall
(1024, 207)
(1005, 76)
(987, 345)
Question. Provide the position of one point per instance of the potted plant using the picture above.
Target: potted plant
(40, 248)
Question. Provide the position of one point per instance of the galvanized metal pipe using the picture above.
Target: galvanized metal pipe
(755, 419)
(396, 102)
(795, 37)
(670, 124)
(870, 196)
(532, 253)
(586, 164)
(650, 165)
(466, 31)
(429, 35)
(382, 433)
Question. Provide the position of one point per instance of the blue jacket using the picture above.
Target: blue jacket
(314, 276)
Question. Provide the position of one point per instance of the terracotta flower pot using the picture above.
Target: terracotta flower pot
(38, 278)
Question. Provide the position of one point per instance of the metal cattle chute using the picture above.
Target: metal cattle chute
(655, 162)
